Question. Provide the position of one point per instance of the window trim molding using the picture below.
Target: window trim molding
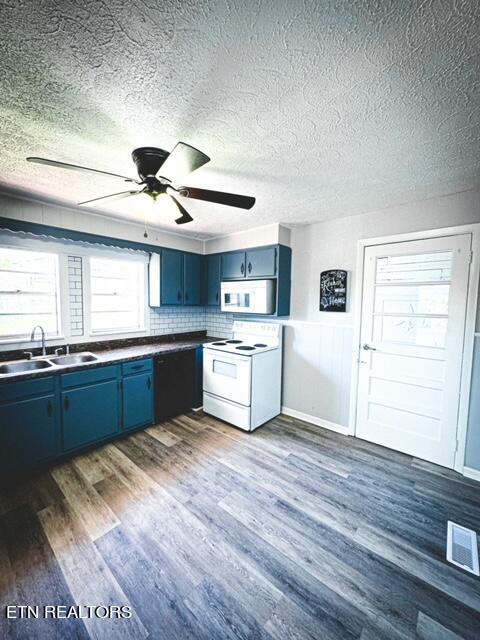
(87, 300)
(63, 310)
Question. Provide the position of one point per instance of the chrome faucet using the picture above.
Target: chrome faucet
(32, 338)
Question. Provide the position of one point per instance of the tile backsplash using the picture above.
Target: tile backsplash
(176, 320)
(75, 292)
(218, 324)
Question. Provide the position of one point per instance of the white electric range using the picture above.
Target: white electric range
(242, 377)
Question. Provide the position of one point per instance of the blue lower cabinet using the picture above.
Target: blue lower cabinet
(89, 413)
(28, 432)
(137, 400)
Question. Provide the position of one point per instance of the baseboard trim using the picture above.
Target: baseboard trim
(474, 474)
(319, 422)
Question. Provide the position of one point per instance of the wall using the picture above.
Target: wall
(318, 346)
(77, 220)
(259, 236)
(472, 454)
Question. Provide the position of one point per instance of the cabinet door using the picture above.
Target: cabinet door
(137, 400)
(171, 277)
(261, 263)
(192, 290)
(89, 413)
(213, 280)
(233, 265)
(28, 432)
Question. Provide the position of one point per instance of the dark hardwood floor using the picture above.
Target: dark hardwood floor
(207, 532)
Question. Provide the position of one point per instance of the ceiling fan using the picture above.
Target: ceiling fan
(158, 171)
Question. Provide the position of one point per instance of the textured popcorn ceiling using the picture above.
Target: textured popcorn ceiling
(317, 108)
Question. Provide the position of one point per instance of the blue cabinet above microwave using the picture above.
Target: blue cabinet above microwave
(260, 262)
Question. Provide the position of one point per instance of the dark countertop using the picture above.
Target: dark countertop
(113, 355)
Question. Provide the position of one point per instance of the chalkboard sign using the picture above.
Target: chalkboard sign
(333, 290)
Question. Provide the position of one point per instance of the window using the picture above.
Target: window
(29, 293)
(117, 297)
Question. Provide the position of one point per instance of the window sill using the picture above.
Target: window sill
(120, 332)
(27, 342)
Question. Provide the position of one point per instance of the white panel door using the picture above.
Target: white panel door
(411, 345)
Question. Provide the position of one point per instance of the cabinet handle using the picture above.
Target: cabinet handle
(275, 263)
(149, 382)
(242, 269)
(178, 295)
(249, 267)
(137, 366)
(216, 297)
(49, 408)
(186, 295)
(66, 403)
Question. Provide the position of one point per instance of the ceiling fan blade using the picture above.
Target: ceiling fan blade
(219, 197)
(182, 160)
(76, 167)
(185, 217)
(113, 196)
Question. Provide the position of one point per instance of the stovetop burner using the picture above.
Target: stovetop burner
(246, 348)
(260, 344)
(233, 341)
(219, 344)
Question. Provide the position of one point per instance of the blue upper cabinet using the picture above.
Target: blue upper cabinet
(261, 263)
(178, 278)
(192, 279)
(171, 277)
(175, 278)
(213, 280)
(233, 265)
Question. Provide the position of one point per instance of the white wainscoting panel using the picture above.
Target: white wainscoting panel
(317, 361)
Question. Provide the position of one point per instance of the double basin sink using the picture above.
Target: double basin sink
(22, 366)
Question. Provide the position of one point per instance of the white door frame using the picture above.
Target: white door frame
(470, 321)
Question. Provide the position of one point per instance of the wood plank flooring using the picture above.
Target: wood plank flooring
(207, 532)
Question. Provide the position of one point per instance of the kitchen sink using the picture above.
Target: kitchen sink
(23, 365)
(74, 358)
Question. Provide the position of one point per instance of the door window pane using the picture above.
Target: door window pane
(29, 293)
(117, 295)
(425, 332)
(424, 267)
(415, 299)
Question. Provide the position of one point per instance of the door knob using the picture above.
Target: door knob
(367, 347)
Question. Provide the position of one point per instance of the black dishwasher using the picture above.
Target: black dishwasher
(175, 384)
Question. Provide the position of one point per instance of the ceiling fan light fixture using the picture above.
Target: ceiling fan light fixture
(182, 160)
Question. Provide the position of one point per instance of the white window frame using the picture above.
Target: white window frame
(63, 300)
(87, 298)
(64, 249)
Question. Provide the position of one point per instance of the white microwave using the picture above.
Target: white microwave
(248, 296)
